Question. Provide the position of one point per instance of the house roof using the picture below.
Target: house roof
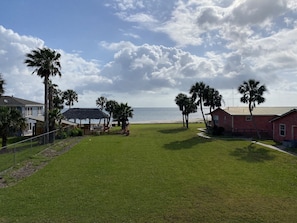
(16, 102)
(284, 115)
(84, 113)
(40, 118)
(258, 110)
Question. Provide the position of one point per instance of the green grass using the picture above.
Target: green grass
(160, 173)
(8, 159)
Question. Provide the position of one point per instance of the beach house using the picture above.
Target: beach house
(238, 121)
(284, 128)
(26, 107)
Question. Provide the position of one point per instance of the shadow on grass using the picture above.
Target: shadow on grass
(185, 144)
(252, 154)
(172, 131)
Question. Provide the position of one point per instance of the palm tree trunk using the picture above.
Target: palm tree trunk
(46, 124)
(51, 119)
(201, 108)
(187, 120)
(183, 119)
(254, 123)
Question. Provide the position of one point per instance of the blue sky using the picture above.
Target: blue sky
(145, 52)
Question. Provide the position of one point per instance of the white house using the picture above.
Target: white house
(26, 107)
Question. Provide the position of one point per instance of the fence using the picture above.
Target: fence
(17, 152)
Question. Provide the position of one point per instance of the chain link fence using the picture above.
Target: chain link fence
(17, 152)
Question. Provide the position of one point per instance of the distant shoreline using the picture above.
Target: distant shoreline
(165, 121)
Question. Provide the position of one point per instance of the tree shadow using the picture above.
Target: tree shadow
(185, 144)
(252, 154)
(171, 131)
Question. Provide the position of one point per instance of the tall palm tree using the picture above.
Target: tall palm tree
(199, 92)
(180, 101)
(252, 93)
(189, 107)
(46, 63)
(110, 107)
(213, 99)
(11, 121)
(70, 96)
(2, 83)
(101, 104)
(122, 113)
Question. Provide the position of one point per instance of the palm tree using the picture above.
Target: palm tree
(110, 107)
(2, 83)
(189, 107)
(11, 121)
(199, 92)
(213, 99)
(101, 102)
(57, 96)
(180, 100)
(252, 94)
(122, 113)
(70, 96)
(46, 63)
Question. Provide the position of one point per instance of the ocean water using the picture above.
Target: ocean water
(160, 114)
(153, 115)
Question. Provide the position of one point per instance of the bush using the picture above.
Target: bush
(76, 132)
(62, 135)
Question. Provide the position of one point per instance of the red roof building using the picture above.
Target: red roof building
(284, 127)
(238, 121)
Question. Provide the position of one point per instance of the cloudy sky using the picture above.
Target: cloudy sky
(145, 52)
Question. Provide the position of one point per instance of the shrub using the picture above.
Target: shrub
(76, 132)
(61, 135)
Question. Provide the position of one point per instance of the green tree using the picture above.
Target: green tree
(111, 107)
(213, 99)
(122, 113)
(46, 63)
(55, 106)
(189, 107)
(2, 83)
(101, 102)
(70, 96)
(57, 97)
(199, 95)
(252, 93)
(11, 121)
(180, 101)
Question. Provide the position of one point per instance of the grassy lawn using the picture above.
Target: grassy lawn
(160, 173)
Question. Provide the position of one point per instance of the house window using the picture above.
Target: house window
(216, 119)
(282, 130)
(248, 118)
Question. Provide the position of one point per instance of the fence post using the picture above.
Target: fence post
(14, 156)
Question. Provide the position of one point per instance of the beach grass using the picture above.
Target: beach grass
(160, 173)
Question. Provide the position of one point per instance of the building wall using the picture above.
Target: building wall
(245, 125)
(222, 119)
(290, 123)
(242, 124)
(31, 111)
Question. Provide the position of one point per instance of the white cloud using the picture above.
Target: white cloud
(251, 12)
(138, 18)
(233, 41)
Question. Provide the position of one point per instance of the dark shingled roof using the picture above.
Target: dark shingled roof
(17, 102)
(84, 113)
